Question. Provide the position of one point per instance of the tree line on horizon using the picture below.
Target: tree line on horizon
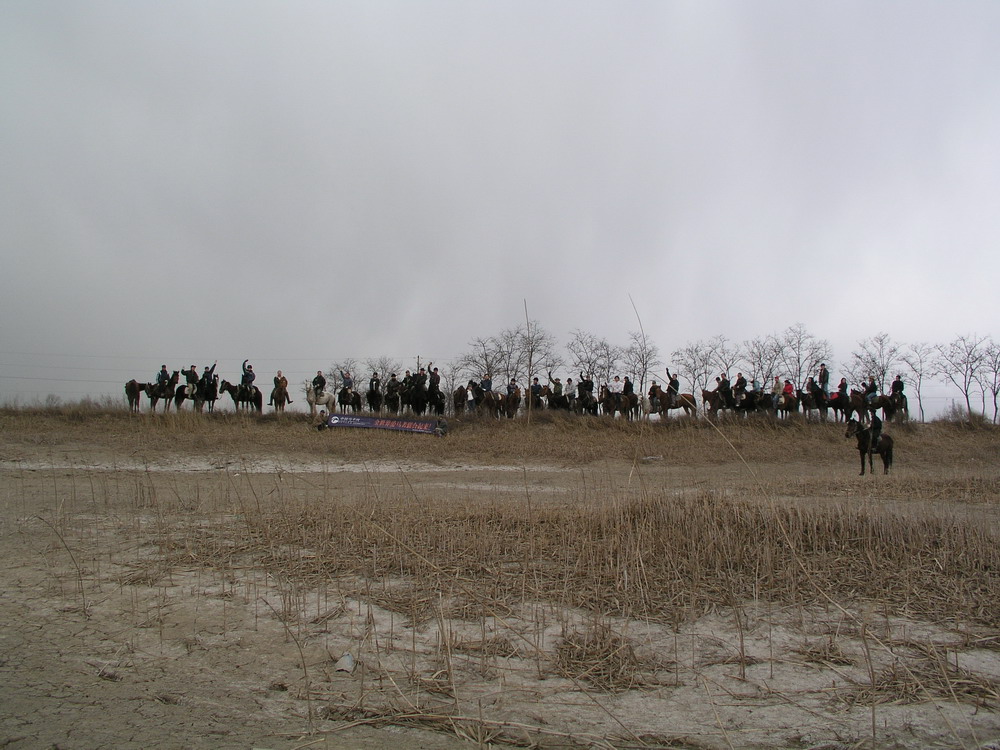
(970, 363)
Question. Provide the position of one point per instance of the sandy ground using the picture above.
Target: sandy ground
(107, 642)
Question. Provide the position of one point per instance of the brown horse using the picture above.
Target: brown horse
(864, 437)
(491, 403)
(133, 390)
(156, 391)
(512, 403)
(683, 401)
(279, 397)
(787, 404)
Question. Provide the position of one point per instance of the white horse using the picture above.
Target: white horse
(327, 400)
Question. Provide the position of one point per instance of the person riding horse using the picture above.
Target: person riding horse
(870, 389)
(205, 383)
(896, 394)
(725, 391)
(433, 380)
(319, 383)
(191, 378)
(248, 377)
(280, 389)
(673, 388)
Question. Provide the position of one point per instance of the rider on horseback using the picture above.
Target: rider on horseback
(725, 391)
(870, 389)
(876, 434)
(319, 383)
(248, 377)
(673, 388)
(375, 385)
(433, 380)
(348, 381)
(824, 379)
(420, 380)
(280, 381)
(896, 390)
(191, 378)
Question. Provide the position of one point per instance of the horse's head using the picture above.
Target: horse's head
(852, 428)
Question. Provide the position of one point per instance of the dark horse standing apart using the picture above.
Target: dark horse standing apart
(864, 435)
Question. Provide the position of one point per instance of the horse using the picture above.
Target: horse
(512, 403)
(349, 399)
(489, 402)
(279, 397)
(841, 406)
(244, 396)
(374, 399)
(813, 402)
(755, 402)
(611, 402)
(900, 404)
(683, 401)
(436, 401)
(180, 394)
(713, 401)
(585, 401)
(859, 405)
(787, 404)
(630, 406)
(458, 399)
(392, 401)
(326, 400)
(133, 390)
(165, 391)
(208, 391)
(555, 402)
(864, 437)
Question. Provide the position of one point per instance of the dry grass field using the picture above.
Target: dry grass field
(196, 581)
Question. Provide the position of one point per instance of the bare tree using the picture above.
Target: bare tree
(384, 366)
(959, 362)
(988, 376)
(762, 356)
(510, 353)
(878, 356)
(695, 363)
(483, 357)
(592, 355)
(539, 348)
(641, 358)
(802, 353)
(919, 360)
(725, 354)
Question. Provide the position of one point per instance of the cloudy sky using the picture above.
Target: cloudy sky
(305, 182)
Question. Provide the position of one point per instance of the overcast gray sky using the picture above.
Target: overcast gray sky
(305, 182)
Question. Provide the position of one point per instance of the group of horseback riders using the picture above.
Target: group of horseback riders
(426, 380)
(203, 387)
(816, 389)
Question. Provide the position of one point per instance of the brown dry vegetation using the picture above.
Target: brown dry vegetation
(563, 582)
